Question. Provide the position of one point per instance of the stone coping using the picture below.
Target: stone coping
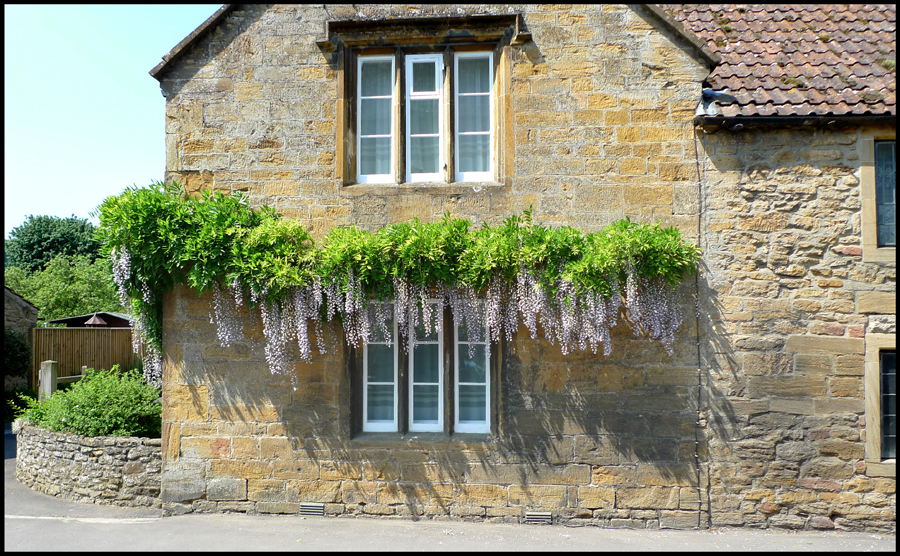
(118, 471)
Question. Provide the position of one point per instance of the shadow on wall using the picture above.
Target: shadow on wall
(626, 420)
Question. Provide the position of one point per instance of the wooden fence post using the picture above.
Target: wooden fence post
(47, 380)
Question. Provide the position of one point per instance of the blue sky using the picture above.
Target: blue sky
(83, 118)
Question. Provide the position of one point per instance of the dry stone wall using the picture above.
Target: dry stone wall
(120, 471)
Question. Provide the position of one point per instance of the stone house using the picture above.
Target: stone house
(764, 133)
(19, 314)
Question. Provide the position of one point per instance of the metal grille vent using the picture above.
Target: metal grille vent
(538, 517)
(312, 508)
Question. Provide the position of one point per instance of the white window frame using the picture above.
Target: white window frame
(473, 176)
(470, 426)
(437, 94)
(438, 313)
(375, 178)
(381, 426)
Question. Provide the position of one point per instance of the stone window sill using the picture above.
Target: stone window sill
(430, 440)
(886, 468)
(453, 188)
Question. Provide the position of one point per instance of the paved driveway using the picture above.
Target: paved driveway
(34, 521)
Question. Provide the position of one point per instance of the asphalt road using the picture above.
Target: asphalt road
(34, 521)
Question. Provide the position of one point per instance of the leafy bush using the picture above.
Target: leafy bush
(16, 353)
(103, 403)
(14, 402)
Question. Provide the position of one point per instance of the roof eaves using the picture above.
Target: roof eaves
(738, 123)
(711, 58)
(189, 40)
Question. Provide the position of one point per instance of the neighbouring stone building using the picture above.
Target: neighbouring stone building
(19, 314)
(765, 133)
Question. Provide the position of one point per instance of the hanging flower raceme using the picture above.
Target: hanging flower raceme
(493, 279)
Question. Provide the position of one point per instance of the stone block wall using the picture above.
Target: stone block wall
(605, 441)
(790, 305)
(596, 124)
(119, 471)
(18, 314)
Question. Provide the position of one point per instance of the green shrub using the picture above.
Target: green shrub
(16, 353)
(103, 403)
(14, 404)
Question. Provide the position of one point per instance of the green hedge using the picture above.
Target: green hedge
(103, 403)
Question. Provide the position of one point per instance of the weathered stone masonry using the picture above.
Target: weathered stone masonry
(757, 420)
(122, 471)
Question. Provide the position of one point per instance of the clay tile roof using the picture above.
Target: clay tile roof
(802, 59)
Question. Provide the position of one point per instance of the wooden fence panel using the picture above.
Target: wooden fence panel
(72, 348)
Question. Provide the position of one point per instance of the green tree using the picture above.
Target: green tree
(40, 239)
(68, 286)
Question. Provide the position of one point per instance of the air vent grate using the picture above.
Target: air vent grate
(538, 517)
(312, 508)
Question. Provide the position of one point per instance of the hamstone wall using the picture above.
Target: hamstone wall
(789, 304)
(118, 471)
(600, 127)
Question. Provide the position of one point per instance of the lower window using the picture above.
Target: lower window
(888, 362)
(439, 380)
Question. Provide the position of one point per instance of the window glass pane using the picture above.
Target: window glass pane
(376, 331)
(885, 191)
(375, 155)
(375, 116)
(380, 402)
(888, 404)
(472, 404)
(423, 154)
(474, 75)
(425, 404)
(423, 77)
(471, 370)
(474, 153)
(426, 361)
(474, 113)
(380, 359)
(375, 78)
(432, 335)
(423, 116)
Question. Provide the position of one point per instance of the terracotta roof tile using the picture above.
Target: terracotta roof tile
(799, 59)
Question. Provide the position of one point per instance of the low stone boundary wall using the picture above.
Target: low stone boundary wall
(119, 471)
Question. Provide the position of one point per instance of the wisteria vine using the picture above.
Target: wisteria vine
(573, 286)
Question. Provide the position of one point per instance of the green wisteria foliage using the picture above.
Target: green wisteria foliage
(492, 277)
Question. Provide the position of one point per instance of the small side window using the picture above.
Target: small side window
(885, 192)
(888, 362)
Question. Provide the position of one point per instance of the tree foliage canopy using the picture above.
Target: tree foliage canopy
(40, 239)
(68, 286)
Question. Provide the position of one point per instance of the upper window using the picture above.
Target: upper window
(446, 101)
(885, 192)
(877, 176)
